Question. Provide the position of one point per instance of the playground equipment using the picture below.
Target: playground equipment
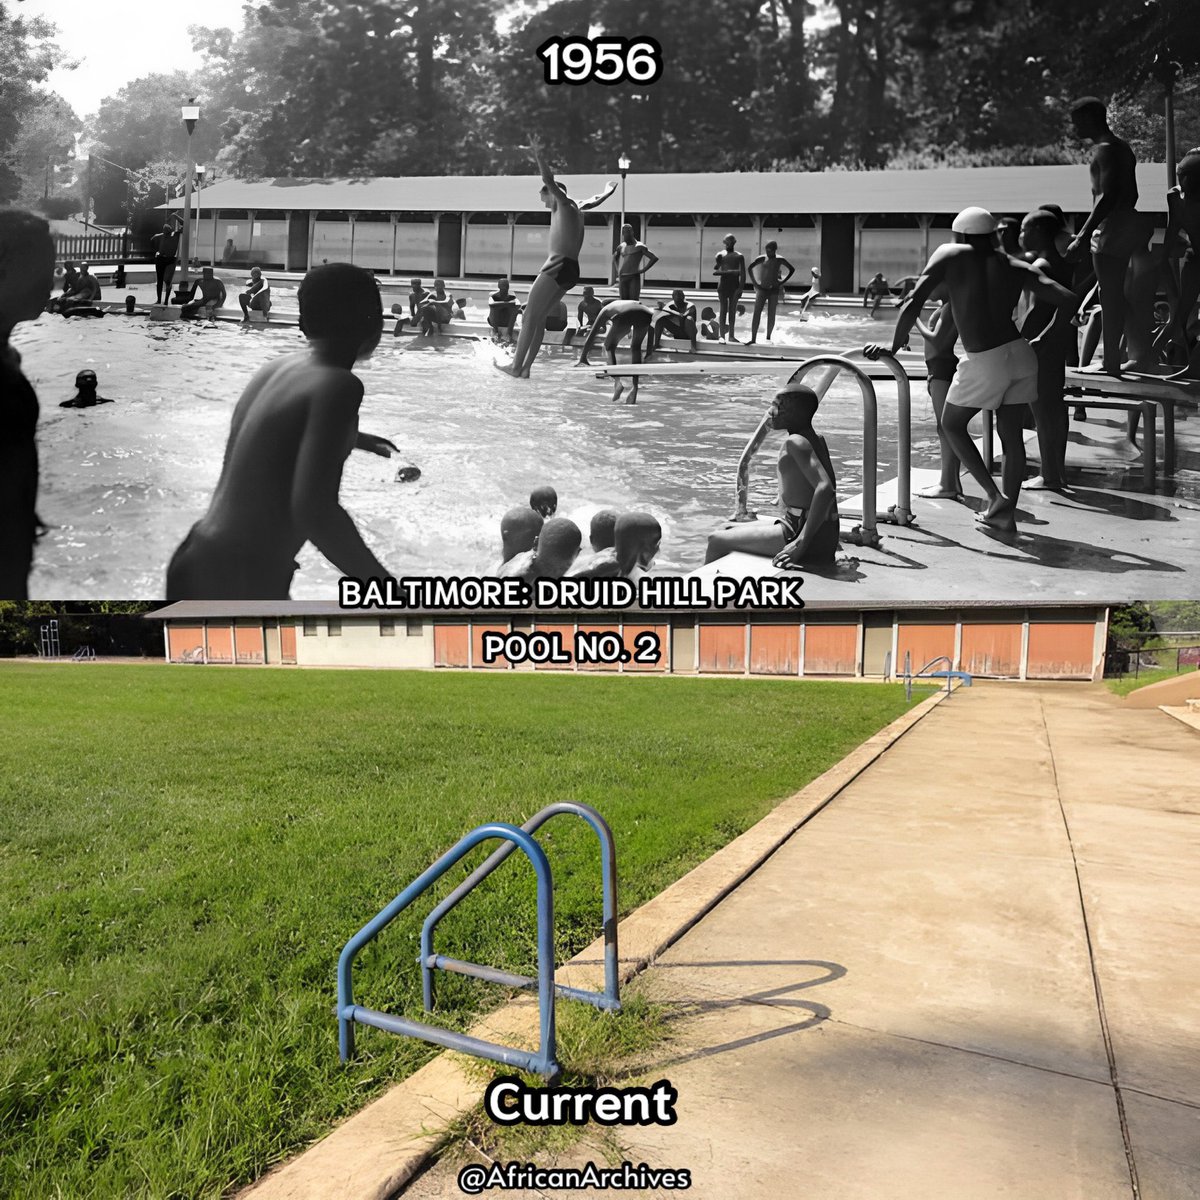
(541, 1061)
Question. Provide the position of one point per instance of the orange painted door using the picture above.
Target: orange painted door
(287, 643)
(723, 648)
(248, 643)
(450, 645)
(924, 642)
(220, 643)
(774, 649)
(185, 643)
(566, 637)
(631, 633)
(477, 631)
(830, 649)
(992, 648)
(598, 629)
(1058, 650)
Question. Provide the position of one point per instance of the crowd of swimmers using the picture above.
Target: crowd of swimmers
(1009, 294)
(536, 543)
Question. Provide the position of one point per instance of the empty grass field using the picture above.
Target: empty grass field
(184, 850)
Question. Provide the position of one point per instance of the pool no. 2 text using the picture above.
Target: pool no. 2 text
(548, 647)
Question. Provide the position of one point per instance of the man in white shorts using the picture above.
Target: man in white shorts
(998, 371)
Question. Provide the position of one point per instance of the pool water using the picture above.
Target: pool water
(122, 483)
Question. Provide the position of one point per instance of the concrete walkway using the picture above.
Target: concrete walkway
(973, 975)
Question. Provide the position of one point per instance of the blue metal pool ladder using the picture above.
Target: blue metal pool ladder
(542, 1061)
(948, 674)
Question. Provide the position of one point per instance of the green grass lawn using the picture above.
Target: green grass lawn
(1122, 685)
(184, 851)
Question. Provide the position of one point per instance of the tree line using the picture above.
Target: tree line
(432, 87)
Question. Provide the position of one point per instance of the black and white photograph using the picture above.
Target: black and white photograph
(998, 205)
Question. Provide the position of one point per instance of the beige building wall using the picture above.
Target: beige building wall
(361, 644)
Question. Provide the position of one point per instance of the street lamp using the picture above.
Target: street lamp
(623, 165)
(199, 189)
(191, 114)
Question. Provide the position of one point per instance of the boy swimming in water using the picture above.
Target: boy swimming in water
(291, 433)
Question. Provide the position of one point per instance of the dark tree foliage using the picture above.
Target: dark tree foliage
(27, 55)
(382, 87)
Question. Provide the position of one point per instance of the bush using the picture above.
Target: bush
(58, 208)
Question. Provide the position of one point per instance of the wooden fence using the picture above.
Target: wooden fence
(93, 247)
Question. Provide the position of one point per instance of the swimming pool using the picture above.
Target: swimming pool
(122, 483)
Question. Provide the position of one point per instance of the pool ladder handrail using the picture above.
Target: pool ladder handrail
(609, 998)
(540, 1062)
(900, 513)
(949, 674)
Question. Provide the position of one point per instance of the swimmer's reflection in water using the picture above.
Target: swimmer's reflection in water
(85, 394)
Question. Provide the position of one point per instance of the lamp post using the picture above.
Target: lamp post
(1167, 72)
(191, 114)
(199, 189)
(623, 165)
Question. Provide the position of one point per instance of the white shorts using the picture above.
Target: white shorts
(1005, 374)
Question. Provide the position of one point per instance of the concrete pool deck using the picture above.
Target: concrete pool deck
(970, 975)
(1104, 539)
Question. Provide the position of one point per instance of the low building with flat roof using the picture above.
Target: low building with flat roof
(849, 223)
(850, 641)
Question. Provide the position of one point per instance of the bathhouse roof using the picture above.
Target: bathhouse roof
(211, 610)
(1001, 189)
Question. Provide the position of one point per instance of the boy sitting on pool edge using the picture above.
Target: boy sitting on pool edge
(289, 438)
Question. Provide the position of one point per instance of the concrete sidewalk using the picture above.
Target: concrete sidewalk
(973, 975)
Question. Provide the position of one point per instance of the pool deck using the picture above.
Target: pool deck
(1102, 540)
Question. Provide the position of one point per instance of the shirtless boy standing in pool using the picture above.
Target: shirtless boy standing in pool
(560, 272)
(807, 528)
(291, 433)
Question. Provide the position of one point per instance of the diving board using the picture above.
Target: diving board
(777, 367)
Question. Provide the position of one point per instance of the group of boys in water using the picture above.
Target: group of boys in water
(297, 420)
(536, 543)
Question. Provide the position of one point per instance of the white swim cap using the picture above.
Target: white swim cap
(974, 221)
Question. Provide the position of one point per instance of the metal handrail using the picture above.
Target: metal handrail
(899, 513)
(541, 1062)
(864, 534)
(950, 673)
(610, 997)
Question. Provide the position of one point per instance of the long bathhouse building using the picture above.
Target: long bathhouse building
(850, 224)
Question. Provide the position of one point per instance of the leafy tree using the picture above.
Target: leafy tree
(27, 55)
(329, 87)
(1131, 626)
(1176, 616)
(43, 150)
(358, 86)
(140, 126)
